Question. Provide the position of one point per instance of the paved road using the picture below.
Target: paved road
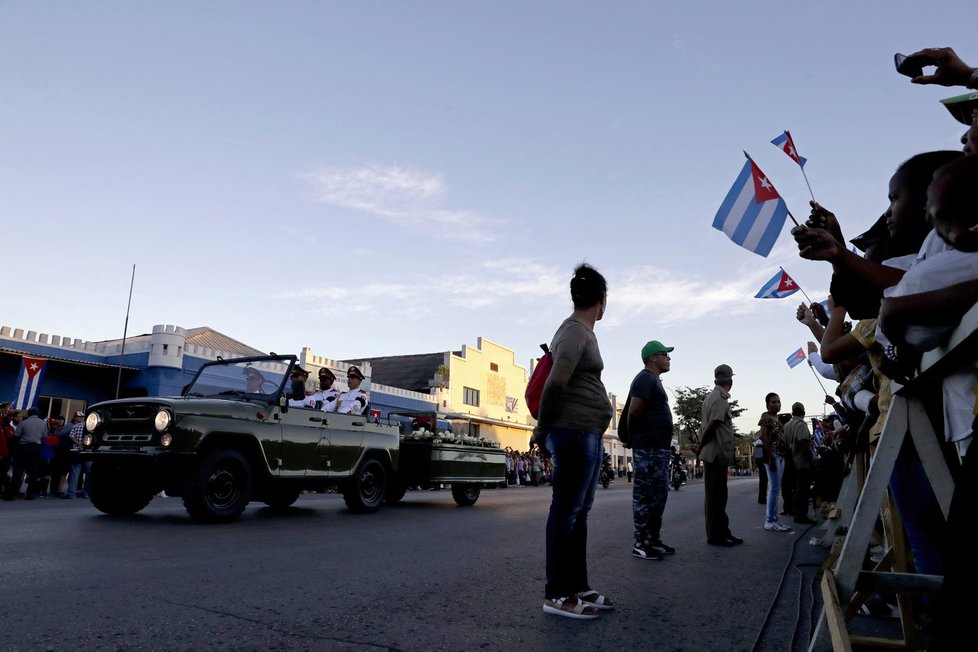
(424, 575)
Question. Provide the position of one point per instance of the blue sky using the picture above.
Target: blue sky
(371, 178)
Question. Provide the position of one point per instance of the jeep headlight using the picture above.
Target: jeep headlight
(93, 421)
(162, 420)
(87, 440)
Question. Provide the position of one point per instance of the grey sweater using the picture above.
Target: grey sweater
(574, 396)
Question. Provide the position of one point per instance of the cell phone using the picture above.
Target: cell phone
(907, 66)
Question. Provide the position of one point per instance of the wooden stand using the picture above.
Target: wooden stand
(846, 585)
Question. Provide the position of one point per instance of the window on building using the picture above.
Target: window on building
(54, 406)
(470, 396)
(493, 366)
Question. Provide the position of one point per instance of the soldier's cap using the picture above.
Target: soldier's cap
(355, 371)
(723, 373)
(298, 371)
(252, 372)
(654, 347)
(327, 373)
(961, 106)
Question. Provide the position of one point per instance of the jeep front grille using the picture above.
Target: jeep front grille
(126, 439)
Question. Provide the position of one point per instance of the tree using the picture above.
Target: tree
(689, 408)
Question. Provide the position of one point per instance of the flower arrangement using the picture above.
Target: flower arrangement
(446, 437)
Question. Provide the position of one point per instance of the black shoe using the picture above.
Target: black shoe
(805, 521)
(726, 543)
(646, 551)
(663, 548)
(734, 540)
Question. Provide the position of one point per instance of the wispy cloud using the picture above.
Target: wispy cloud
(512, 284)
(407, 196)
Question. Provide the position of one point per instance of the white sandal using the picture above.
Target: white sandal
(570, 607)
(596, 600)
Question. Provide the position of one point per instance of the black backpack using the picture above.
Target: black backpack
(623, 434)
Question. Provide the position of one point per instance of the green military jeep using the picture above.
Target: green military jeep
(231, 438)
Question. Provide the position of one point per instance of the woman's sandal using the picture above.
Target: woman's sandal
(570, 607)
(596, 600)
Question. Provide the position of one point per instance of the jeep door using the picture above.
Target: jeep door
(346, 442)
(305, 442)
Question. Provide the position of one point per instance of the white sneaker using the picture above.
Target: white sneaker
(776, 527)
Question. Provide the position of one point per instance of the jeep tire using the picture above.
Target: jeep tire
(465, 495)
(117, 489)
(366, 489)
(220, 486)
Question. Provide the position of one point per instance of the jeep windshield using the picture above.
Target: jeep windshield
(258, 378)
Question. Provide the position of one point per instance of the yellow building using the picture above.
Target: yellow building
(482, 382)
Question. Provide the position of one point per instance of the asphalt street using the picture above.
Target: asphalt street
(422, 575)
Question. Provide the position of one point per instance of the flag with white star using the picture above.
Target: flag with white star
(780, 286)
(786, 144)
(753, 213)
(28, 383)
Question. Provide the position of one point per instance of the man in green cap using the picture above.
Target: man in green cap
(650, 425)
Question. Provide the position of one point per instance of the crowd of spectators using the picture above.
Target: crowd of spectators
(916, 276)
(527, 468)
(36, 458)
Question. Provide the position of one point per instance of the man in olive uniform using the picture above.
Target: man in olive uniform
(799, 441)
(717, 453)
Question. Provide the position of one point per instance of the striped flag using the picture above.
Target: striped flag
(28, 383)
(779, 287)
(786, 144)
(796, 358)
(753, 213)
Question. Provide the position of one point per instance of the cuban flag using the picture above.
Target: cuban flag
(753, 213)
(818, 431)
(796, 358)
(785, 143)
(28, 383)
(779, 287)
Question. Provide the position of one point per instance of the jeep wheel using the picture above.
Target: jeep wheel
(220, 486)
(465, 495)
(281, 498)
(365, 491)
(118, 490)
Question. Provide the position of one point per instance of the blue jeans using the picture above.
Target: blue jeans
(773, 488)
(77, 468)
(576, 457)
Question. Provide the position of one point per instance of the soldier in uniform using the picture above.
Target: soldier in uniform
(299, 398)
(355, 399)
(327, 396)
(253, 380)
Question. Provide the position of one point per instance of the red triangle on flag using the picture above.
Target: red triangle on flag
(763, 188)
(33, 366)
(786, 283)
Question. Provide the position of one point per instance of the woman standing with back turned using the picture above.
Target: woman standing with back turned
(574, 413)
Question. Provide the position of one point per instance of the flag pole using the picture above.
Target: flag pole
(796, 283)
(125, 328)
(782, 199)
(803, 173)
(815, 373)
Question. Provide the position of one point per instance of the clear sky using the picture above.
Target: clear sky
(380, 178)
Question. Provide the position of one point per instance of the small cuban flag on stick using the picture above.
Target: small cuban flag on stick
(786, 144)
(797, 358)
(753, 213)
(780, 286)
